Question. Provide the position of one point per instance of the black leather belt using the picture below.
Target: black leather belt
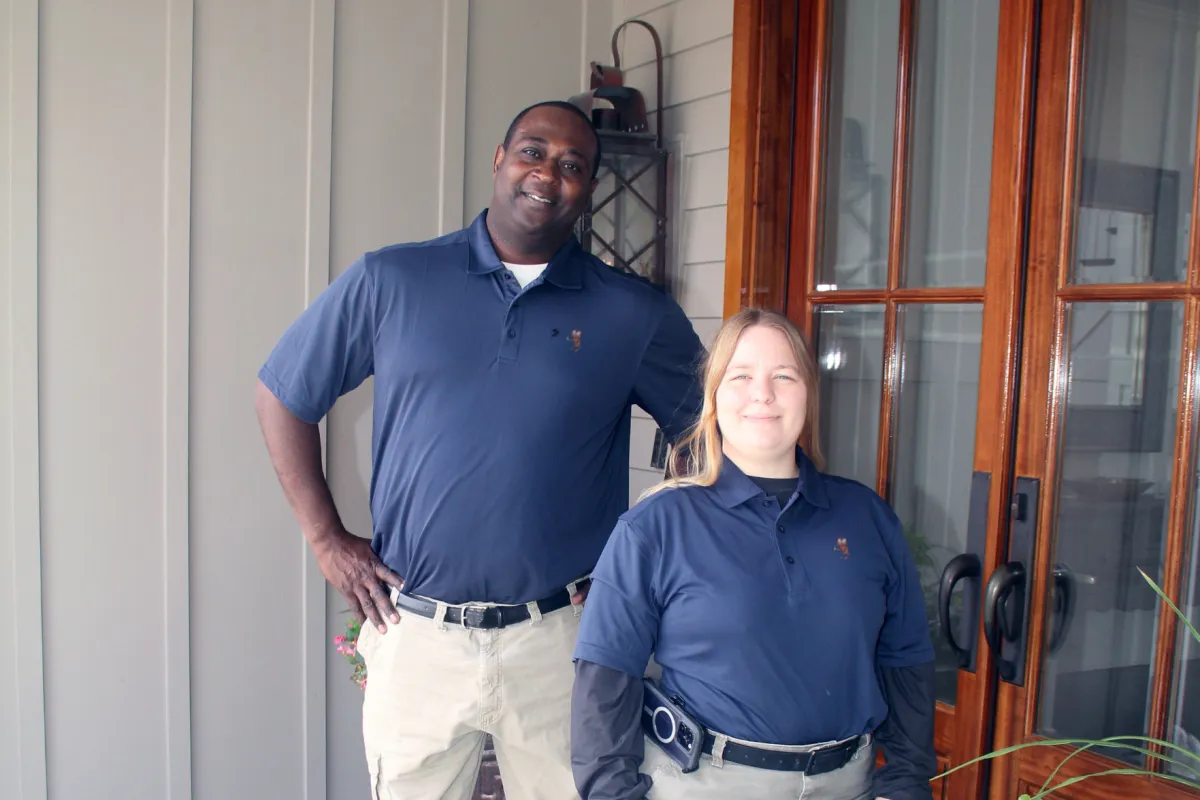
(483, 617)
(811, 762)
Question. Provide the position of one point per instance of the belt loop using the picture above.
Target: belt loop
(572, 590)
(535, 613)
(718, 750)
(439, 616)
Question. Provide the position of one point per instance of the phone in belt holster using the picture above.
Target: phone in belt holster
(668, 724)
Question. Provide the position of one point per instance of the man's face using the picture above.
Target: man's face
(542, 181)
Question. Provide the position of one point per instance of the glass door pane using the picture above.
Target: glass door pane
(1184, 726)
(1116, 453)
(934, 449)
(864, 47)
(950, 156)
(1137, 141)
(850, 352)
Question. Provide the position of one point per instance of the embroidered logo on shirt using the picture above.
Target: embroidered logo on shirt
(843, 548)
(576, 337)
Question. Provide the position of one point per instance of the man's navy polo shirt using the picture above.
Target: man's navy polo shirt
(769, 625)
(500, 446)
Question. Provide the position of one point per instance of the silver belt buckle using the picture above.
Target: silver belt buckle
(462, 616)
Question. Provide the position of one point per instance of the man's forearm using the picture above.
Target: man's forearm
(295, 449)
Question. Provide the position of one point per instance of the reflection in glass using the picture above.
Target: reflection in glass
(1137, 141)
(864, 48)
(849, 346)
(950, 144)
(1115, 458)
(934, 452)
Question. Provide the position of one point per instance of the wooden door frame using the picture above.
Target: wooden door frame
(770, 107)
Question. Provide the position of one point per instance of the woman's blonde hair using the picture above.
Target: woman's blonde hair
(699, 458)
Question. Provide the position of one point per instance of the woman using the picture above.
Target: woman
(781, 603)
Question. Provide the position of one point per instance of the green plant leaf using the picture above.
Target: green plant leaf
(1113, 740)
(1076, 743)
(1126, 771)
(1175, 608)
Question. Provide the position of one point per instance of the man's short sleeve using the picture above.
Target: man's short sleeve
(329, 350)
(668, 383)
(904, 640)
(620, 622)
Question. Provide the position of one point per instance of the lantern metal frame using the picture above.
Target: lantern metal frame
(617, 148)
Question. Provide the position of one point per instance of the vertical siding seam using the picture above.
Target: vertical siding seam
(26, 458)
(176, 311)
(317, 223)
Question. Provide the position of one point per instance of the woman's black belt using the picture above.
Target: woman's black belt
(810, 762)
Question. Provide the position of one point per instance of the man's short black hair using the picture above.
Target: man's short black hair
(563, 104)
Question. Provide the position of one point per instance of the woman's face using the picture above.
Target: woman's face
(761, 399)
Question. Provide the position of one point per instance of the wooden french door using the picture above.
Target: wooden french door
(988, 238)
(906, 267)
(1105, 429)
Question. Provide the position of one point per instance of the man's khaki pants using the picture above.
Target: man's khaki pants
(434, 690)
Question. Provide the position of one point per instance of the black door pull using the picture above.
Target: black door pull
(960, 567)
(1007, 579)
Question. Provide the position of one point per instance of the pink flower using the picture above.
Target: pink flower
(339, 639)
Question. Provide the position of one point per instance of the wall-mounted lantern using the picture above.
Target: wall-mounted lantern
(625, 224)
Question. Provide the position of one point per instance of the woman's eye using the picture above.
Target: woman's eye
(784, 377)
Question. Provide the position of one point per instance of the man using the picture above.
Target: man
(506, 361)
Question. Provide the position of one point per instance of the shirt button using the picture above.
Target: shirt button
(512, 333)
(791, 560)
(780, 529)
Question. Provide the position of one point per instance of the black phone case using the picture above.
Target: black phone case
(670, 727)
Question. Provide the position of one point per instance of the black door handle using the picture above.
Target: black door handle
(961, 566)
(996, 597)
(1062, 604)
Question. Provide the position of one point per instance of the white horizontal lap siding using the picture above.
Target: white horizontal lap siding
(697, 40)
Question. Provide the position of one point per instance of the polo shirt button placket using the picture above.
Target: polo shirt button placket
(508, 336)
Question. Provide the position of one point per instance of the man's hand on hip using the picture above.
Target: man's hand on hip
(351, 566)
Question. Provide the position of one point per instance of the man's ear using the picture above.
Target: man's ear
(498, 158)
(595, 183)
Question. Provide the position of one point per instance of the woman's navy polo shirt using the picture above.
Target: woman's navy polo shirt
(770, 625)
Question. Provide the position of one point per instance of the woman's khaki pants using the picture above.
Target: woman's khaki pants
(722, 781)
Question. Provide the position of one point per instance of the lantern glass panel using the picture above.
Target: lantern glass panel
(626, 224)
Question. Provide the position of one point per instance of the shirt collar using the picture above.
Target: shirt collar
(565, 269)
(733, 487)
